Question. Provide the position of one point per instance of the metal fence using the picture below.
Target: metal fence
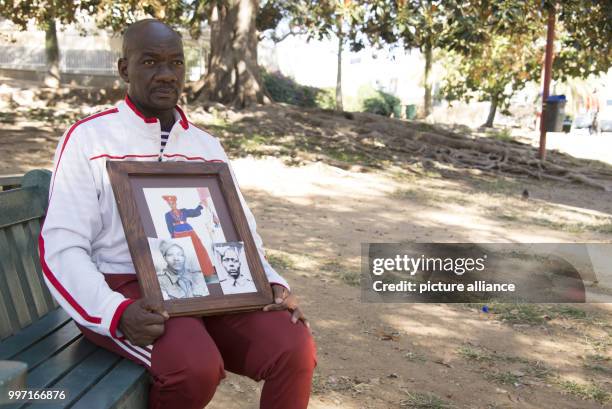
(92, 62)
(95, 62)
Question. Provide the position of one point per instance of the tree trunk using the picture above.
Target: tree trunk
(233, 75)
(426, 81)
(492, 111)
(52, 74)
(339, 106)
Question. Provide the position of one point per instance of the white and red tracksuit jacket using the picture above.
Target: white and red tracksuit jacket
(82, 236)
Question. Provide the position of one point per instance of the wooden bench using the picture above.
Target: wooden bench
(33, 330)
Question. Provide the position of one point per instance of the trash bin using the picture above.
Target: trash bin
(411, 111)
(555, 113)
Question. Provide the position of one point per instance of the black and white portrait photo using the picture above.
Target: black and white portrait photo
(233, 269)
(177, 267)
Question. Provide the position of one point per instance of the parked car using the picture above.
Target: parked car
(604, 118)
(582, 123)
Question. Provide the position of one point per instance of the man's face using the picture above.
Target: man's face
(231, 263)
(154, 67)
(175, 257)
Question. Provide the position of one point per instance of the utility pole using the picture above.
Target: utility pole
(550, 40)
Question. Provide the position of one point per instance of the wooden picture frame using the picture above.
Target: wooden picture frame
(138, 188)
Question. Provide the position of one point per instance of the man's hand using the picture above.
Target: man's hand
(142, 322)
(284, 300)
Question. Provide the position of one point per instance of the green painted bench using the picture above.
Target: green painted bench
(35, 331)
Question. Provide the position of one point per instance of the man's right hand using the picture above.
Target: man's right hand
(142, 322)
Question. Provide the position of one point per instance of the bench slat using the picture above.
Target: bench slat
(24, 265)
(28, 253)
(33, 227)
(33, 333)
(55, 367)
(82, 378)
(10, 280)
(49, 345)
(6, 326)
(125, 386)
(10, 180)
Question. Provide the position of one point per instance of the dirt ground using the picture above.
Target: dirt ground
(313, 216)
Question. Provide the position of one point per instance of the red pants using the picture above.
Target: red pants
(188, 361)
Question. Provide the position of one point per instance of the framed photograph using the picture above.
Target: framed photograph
(188, 236)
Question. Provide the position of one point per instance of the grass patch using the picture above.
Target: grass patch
(347, 276)
(343, 155)
(280, 261)
(418, 196)
(600, 225)
(589, 391)
(318, 384)
(498, 185)
(419, 172)
(598, 368)
(598, 358)
(539, 370)
(503, 378)
(569, 312)
(481, 354)
(530, 369)
(351, 278)
(7, 118)
(598, 363)
(598, 344)
(519, 313)
(353, 385)
(431, 197)
(504, 135)
(414, 357)
(536, 314)
(474, 354)
(419, 400)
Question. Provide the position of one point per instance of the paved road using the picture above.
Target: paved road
(580, 145)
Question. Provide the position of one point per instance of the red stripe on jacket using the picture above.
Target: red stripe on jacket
(41, 242)
(173, 155)
(106, 155)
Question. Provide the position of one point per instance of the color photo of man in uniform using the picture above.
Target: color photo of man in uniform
(234, 274)
(176, 220)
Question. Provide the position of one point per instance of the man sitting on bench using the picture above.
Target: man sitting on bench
(87, 264)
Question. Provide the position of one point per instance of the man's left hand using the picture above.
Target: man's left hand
(284, 300)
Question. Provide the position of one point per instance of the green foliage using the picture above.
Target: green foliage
(326, 98)
(378, 102)
(494, 55)
(285, 89)
(584, 35)
(317, 19)
(42, 11)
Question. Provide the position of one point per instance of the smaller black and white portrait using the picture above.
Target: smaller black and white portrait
(233, 269)
(178, 271)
